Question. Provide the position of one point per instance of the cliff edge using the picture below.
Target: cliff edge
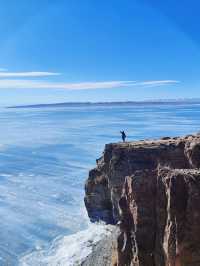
(151, 190)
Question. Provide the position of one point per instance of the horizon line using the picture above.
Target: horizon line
(175, 100)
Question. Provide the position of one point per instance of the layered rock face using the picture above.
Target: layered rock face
(152, 188)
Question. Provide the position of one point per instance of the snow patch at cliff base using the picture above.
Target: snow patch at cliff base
(70, 250)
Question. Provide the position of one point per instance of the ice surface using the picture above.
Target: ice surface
(45, 155)
(70, 250)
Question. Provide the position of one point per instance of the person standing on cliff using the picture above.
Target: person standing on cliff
(123, 136)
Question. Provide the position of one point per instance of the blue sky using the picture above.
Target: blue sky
(89, 50)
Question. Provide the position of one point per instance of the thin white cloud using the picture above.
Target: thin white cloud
(158, 82)
(33, 84)
(4, 74)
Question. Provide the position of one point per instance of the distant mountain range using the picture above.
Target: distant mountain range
(74, 104)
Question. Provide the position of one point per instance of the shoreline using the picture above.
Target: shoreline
(123, 103)
(71, 250)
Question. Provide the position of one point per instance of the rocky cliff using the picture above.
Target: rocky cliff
(151, 189)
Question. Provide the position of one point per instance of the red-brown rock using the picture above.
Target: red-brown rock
(152, 188)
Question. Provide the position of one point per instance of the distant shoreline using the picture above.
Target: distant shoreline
(74, 104)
